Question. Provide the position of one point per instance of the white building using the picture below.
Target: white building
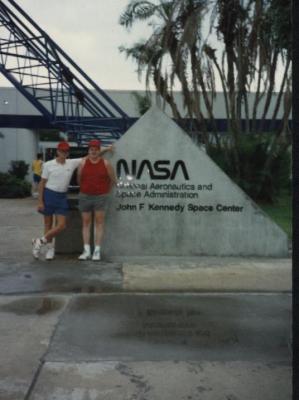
(23, 144)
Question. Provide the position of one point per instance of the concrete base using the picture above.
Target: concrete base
(70, 240)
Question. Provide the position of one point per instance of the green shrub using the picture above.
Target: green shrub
(260, 184)
(143, 102)
(19, 169)
(12, 187)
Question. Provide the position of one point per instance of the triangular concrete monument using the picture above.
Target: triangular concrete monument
(173, 200)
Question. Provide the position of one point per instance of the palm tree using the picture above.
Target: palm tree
(165, 56)
(254, 36)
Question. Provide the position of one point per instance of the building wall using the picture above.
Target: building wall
(13, 102)
(22, 144)
(16, 145)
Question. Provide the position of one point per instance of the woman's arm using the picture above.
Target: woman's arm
(79, 170)
(111, 173)
(107, 149)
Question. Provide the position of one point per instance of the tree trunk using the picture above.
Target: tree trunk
(270, 90)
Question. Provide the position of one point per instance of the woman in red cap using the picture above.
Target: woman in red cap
(96, 178)
(52, 197)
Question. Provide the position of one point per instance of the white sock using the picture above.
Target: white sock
(50, 245)
(97, 248)
(87, 248)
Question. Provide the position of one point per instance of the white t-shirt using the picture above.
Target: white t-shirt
(59, 175)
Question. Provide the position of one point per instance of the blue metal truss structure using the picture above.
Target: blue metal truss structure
(59, 89)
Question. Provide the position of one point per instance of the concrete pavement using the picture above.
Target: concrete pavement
(139, 328)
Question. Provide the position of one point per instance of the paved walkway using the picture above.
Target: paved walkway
(21, 274)
(139, 328)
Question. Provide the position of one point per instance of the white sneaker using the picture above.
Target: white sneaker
(50, 254)
(36, 247)
(96, 255)
(84, 256)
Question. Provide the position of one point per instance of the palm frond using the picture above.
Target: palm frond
(137, 11)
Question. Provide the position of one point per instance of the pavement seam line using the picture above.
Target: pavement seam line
(34, 380)
(151, 292)
(66, 308)
(42, 359)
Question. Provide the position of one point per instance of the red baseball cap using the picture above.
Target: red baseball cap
(94, 143)
(63, 146)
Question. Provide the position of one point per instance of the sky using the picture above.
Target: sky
(89, 32)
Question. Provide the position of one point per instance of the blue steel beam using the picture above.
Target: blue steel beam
(58, 88)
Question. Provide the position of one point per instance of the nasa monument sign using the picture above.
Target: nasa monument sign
(173, 200)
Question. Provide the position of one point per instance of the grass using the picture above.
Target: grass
(281, 212)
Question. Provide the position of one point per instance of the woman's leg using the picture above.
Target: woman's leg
(33, 188)
(50, 232)
(50, 253)
(86, 223)
(48, 223)
(99, 220)
(60, 226)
